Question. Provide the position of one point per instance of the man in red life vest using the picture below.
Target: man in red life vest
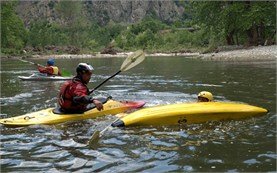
(73, 96)
(50, 69)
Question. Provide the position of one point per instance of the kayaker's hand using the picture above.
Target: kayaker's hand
(98, 105)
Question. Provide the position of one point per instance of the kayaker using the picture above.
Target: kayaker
(205, 96)
(73, 96)
(50, 69)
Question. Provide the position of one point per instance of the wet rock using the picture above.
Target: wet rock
(37, 49)
(72, 50)
(109, 50)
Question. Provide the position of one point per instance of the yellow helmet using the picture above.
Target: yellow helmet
(207, 95)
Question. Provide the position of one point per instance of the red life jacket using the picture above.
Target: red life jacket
(68, 91)
(50, 70)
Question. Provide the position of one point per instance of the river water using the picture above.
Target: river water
(230, 146)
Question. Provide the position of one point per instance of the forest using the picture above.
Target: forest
(206, 26)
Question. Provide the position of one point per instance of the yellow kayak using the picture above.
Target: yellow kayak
(189, 113)
(47, 116)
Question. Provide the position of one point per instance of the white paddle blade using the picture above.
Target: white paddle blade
(133, 60)
(94, 138)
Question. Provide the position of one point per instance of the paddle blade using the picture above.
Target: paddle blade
(94, 138)
(25, 61)
(133, 60)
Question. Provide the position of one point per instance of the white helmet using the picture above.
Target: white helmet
(84, 68)
(207, 95)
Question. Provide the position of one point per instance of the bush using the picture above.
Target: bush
(13, 32)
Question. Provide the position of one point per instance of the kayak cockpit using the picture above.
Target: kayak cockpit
(59, 111)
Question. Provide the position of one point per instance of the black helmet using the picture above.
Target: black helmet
(84, 68)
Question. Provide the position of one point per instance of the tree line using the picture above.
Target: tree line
(238, 22)
(207, 25)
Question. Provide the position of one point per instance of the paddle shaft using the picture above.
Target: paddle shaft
(106, 128)
(104, 82)
(31, 62)
(129, 62)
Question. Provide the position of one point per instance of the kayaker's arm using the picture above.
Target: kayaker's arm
(47, 70)
(80, 95)
(83, 99)
(42, 69)
(87, 100)
(98, 104)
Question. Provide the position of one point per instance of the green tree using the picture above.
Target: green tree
(230, 19)
(145, 39)
(259, 21)
(43, 33)
(75, 23)
(13, 32)
(147, 24)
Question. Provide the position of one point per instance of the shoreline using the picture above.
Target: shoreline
(245, 54)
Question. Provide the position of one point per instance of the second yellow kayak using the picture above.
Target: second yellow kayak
(189, 113)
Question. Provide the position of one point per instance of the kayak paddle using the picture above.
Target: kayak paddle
(65, 73)
(30, 62)
(130, 62)
(98, 134)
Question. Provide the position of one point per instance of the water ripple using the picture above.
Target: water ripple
(231, 146)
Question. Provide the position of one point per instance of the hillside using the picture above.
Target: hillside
(114, 26)
(103, 12)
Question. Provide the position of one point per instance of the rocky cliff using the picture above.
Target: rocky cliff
(123, 11)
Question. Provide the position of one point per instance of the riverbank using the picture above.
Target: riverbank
(243, 54)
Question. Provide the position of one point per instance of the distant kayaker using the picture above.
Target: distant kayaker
(205, 96)
(50, 69)
(73, 96)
